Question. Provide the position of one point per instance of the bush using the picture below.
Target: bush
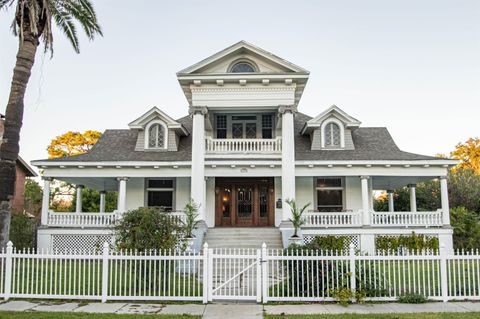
(412, 242)
(466, 228)
(329, 243)
(412, 298)
(144, 229)
(23, 231)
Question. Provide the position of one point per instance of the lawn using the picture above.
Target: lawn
(449, 315)
(69, 315)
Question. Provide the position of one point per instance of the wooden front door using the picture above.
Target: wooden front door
(244, 202)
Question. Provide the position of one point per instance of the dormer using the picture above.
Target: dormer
(331, 130)
(157, 131)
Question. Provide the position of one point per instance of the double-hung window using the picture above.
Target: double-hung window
(329, 194)
(267, 126)
(160, 193)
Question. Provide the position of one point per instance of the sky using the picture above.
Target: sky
(411, 66)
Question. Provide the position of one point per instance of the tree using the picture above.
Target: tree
(466, 228)
(469, 155)
(91, 201)
(33, 23)
(72, 143)
(32, 201)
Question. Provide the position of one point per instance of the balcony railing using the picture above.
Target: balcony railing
(243, 146)
(332, 219)
(407, 218)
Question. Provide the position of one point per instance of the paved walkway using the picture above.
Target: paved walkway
(236, 310)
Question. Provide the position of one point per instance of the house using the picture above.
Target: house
(23, 170)
(243, 149)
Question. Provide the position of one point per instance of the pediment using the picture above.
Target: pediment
(156, 114)
(335, 112)
(263, 61)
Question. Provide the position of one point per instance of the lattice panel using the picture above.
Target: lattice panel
(352, 239)
(63, 243)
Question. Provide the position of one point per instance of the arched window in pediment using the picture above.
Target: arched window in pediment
(333, 135)
(242, 67)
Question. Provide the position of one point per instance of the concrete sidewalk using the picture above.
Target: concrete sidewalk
(237, 310)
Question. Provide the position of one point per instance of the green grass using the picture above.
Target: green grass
(69, 315)
(449, 315)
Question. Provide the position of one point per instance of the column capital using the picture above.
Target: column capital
(364, 177)
(443, 177)
(46, 178)
(103, 192)
(390, 191)
(412, 185)
(122, 178)
(282, 109)
(192, 110)
(80, 186)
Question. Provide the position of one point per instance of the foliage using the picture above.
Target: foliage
(466, 228)
(32, 201)
(343, 295)
(469, 155)
(297, 215)
(464, 189)
(72, 143)
(412, 298)
(91, 201)
(329, 243)
(412, 242)
(191, 222)
(23, 231)
(144, 229)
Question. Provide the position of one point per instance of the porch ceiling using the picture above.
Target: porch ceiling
(394, 182)
(98, 183)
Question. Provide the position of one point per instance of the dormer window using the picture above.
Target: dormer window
(332, 135)
(242, 67)
(156, 136)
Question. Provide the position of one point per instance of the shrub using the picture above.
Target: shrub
(412, 298)
(23, 231)
(329, 243)
(412, 242)
(191, 222)
(466, 228)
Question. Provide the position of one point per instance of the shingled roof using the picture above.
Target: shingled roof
(371, 143)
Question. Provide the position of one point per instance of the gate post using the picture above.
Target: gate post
(259, 275)
(210, 274)
(264, 273)
(353, 271)
(206, 267)
(443, 272)
(105, 271)
(8, 270)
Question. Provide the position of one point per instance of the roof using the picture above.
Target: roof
(29, 172)
(371, 143)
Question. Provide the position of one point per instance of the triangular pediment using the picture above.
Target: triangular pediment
(333, 111)
(263, 61)
(156, 114)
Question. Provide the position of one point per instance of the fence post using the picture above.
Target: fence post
(205, 278)
(259, 275)
(443, 272)
(264, 261)
(105, 271)
(8, 270)
(353, 271)
(210, 274)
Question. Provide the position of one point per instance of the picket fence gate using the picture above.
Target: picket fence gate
(260, 275)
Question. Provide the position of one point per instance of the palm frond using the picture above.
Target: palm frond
(5, 3)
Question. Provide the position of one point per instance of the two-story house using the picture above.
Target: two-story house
(243, 149)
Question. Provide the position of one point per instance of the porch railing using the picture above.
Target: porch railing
(407, 218)
(236, 146)
(81, 219)
(332, 219)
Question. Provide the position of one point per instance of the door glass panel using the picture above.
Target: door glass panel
(263, 199)
(244, 201)
(237, 130)
(226, 202)
(251, 130)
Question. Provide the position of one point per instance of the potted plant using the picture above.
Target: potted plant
(297, 220)
(190, 223)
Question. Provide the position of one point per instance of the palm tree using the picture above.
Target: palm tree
(33, 23)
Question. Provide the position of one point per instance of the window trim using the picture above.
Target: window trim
(316, 189)
(342, 133)
(157, 189)
(247, 61)
(147, 135)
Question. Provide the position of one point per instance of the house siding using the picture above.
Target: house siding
(316, 140)
(172, 142)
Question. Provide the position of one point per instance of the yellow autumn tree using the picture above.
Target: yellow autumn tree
(72, 143)
(469, 154)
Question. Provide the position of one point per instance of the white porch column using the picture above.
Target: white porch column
(391, 206)
(444, 199)
(365, 200)
(198, 184)
(288, 159)
(78, 207)
(122, 194)
(45, 200)
(413, 198)
(102, 201)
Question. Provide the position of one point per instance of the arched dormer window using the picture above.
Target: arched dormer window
(333, 135)
(156, 136)
(243, 66)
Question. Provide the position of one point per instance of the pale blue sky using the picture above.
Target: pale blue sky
(412, 66)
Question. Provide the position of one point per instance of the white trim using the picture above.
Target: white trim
(147, 135)
(340, 126)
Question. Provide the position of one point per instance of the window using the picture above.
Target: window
(332, 135)
(242, 67)
(160, 193)
(329, 194)
(156, 136)
(221, 124)
(267, 126)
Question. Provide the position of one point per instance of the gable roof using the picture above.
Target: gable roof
(153, 113)
(238, 47)
(348, 120)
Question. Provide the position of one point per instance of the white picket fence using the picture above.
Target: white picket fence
(236, 274)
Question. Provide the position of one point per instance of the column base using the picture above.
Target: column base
(367, 243)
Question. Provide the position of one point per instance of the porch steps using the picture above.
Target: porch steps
(243, 237)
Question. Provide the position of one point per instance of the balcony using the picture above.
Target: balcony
(261, 147)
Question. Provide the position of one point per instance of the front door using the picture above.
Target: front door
(244, 202)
